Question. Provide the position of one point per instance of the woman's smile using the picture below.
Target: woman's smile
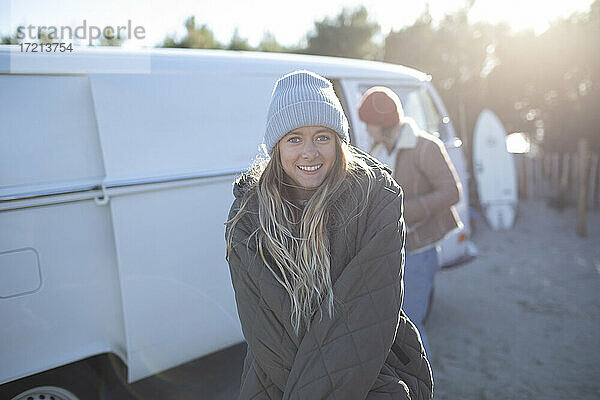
(310, 169)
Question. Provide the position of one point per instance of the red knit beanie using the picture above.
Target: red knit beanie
(380, 106)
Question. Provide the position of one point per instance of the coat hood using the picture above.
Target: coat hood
(243, 184)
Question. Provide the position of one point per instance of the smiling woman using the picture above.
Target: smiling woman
(315, 241)
(307, 154)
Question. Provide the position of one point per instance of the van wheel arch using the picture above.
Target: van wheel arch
(81, 380)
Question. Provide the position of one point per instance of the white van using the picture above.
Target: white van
(116, 171)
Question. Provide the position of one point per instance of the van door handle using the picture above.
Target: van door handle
(103, 199)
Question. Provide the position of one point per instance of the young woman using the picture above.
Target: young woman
(315, 245)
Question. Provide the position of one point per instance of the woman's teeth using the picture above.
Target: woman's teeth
(313, 168)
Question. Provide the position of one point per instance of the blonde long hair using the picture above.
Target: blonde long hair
(294, 241)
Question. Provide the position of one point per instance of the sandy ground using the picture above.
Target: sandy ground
(521, 321)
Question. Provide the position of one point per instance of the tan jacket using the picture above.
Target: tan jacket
(430, 184)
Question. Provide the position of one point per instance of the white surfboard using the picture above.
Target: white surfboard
(494, 171)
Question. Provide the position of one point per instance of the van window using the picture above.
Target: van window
(413, 107)
(337, 88)
(433, 116)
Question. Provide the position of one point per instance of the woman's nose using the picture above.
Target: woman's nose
(309, 150)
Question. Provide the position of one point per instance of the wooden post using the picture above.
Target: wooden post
(564, 178)
(539, 177)
(574, 178)
(531, 168)
(533, 183)
(555, 169)
(583, 152)
(524, 183)
(547, 173)
(593, 179)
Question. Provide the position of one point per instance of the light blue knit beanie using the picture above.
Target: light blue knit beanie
(303, 98)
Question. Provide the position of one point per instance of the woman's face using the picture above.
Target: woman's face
(307, 155)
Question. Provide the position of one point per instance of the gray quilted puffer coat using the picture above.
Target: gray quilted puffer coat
(368, 349)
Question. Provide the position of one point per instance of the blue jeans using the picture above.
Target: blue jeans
(419, 271)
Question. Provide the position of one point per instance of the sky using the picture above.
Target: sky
(288, 22)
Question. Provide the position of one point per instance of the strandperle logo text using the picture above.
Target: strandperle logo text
(83, 32)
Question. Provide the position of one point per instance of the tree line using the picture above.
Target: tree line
(547, 85)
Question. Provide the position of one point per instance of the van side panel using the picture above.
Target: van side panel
(178, 300)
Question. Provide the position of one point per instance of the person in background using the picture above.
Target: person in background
(422, 168)
(315, 245)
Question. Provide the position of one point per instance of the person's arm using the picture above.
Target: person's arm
(437, 167)
(272, 349)
(341, 357)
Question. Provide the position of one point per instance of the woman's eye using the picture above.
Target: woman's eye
(294, 139)
(323, 138)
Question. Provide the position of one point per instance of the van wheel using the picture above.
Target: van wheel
(46, 393)
(101, 376)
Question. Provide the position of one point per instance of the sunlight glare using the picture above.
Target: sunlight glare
(533, 15)
(517, 143)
